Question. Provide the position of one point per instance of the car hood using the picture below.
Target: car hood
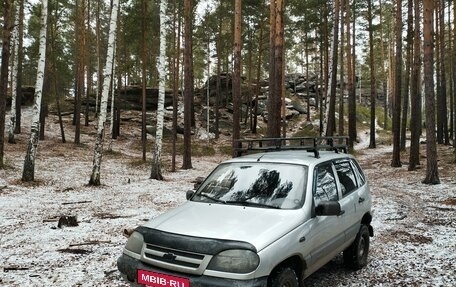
(257, 226)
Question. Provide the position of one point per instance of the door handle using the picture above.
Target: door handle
(361, 199)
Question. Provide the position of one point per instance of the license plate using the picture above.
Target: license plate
(154, 279)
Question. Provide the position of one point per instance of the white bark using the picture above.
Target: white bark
(29, 163)
(15, 44)
(161, 67)
(107, 75)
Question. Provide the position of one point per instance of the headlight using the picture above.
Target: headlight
(135, 242)
(235, 261)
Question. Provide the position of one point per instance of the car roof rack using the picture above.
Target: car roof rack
(310, 144)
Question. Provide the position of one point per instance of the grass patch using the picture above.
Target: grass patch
(138, 163)
(200, 150)
(112, 153)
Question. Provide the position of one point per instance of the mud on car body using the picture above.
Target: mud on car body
(269, 218)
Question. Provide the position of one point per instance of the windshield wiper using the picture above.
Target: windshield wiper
(211, 198)
(249, 203)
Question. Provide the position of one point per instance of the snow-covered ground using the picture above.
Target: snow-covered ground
(414, 224)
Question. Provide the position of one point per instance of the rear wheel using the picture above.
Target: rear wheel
(285, 277)
(355, 256)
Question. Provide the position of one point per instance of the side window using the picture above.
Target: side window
(359, 173)
(325, 188)
(346, 176)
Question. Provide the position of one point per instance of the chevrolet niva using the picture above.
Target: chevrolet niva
(265, 219)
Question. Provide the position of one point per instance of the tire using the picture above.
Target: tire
(355, 256)
(284, 277)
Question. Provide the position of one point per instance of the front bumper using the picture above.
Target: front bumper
(129, 266)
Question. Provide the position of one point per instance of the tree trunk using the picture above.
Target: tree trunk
(396, 159)
(408, 65)
(351, 79)
(20, 55)
(273, 99)
(454, 80)
(275, 69)
(442, 110)
(176, 73)
(258, 76)
(188, 85)
(438, 74)
(218, 48)
(162, 69)
(237, 74)
(331, 92)
(4, 73)
(415, 94)
(80, 72)
(143, 76)
(88, 62)
(384, 73)
(432, 172)
(28, 173)
(107, 75)
(373, 81)
(450, 74)
(342, 70)
(114, 121)
(14, 87)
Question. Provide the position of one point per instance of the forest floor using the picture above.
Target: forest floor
(414, 224)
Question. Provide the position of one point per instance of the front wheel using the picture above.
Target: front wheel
(355, 256)
(285, 277)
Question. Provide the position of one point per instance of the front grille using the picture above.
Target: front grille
(177, 260)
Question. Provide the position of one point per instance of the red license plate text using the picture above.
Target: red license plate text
(154, 279)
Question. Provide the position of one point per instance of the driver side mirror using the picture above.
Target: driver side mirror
(328, 208)
(189, 194)
(198, 181)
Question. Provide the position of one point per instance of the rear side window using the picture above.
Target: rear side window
(359, 173)
(347, 177)
(326, 188)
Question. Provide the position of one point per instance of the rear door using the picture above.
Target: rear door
(349, 197)
(362, 198)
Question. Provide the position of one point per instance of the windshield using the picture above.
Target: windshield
(255, 184)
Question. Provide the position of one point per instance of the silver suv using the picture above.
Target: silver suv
(269, 218)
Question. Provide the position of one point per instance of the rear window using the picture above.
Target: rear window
(347, 177)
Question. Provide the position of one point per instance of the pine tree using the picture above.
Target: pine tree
(432, 171)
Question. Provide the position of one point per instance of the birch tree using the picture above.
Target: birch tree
(15, 58)
(28, 173)
(161, 67)
(107, 75)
